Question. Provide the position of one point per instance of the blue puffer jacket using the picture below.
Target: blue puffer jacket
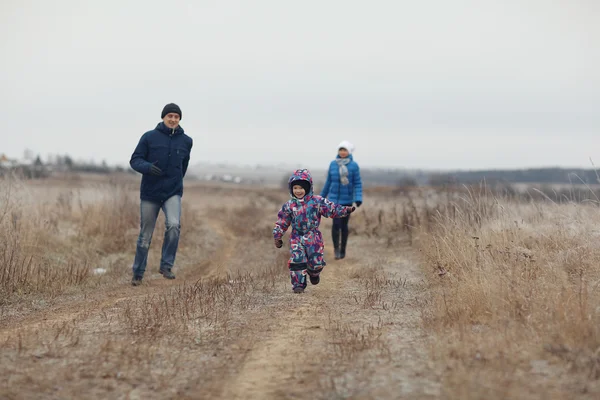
(169, 150)
(343, 194)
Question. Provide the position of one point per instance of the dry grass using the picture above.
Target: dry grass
(200, 311)
(37, 240)
(53, 240)
(515, 299)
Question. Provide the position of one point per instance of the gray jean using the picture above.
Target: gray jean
(148, 215)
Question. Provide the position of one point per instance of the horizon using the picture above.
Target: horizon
(226, 163)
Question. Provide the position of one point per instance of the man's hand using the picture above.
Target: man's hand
(154, 170)
(278, 243)
(358, 203)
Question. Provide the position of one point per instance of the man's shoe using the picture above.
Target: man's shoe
(167, 274)
(136, 281)
(315, 280)
(337, 255)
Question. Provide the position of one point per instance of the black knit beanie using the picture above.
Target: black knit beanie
(171, 108)
(304, 184)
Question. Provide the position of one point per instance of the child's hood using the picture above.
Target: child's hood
(300, 175)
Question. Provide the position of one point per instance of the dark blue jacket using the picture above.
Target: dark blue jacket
(343, 194)
(169, 150)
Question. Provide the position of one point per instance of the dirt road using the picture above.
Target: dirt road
(354, 335)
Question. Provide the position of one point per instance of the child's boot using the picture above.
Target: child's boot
(298, 277)
(314, 272)
(315, 279)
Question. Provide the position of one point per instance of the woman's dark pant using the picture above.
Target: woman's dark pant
(340, 230)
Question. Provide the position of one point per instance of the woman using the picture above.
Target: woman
(343, 186)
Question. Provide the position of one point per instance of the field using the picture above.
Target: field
(462, 294)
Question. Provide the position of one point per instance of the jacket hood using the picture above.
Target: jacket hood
(161, 127)
(300, 175)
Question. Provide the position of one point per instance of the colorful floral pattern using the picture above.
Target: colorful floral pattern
(304, 217)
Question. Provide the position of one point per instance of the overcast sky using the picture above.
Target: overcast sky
(420, 84)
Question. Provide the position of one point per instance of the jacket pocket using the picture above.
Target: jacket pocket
(180, 155)
(157, 155)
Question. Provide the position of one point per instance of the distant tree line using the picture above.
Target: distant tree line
(533, 175)
(400, 178)
(33, 167)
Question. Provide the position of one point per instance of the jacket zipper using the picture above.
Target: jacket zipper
(339, 185)
(170, 142)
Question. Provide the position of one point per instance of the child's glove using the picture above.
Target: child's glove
(278, 243)
(351, 209)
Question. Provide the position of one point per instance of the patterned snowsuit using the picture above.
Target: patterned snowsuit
(306, 241)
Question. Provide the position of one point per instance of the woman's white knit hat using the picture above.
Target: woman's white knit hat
(346, 145)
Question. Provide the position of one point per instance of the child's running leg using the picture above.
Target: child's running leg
(297, 264)
(316, 261)
(298, 276)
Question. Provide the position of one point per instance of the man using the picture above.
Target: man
(161, 156)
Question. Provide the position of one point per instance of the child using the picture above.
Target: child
(303, 212)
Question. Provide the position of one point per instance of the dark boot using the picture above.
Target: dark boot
(136, 281)
(167, 274)
(335, 236)
(315, 279)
